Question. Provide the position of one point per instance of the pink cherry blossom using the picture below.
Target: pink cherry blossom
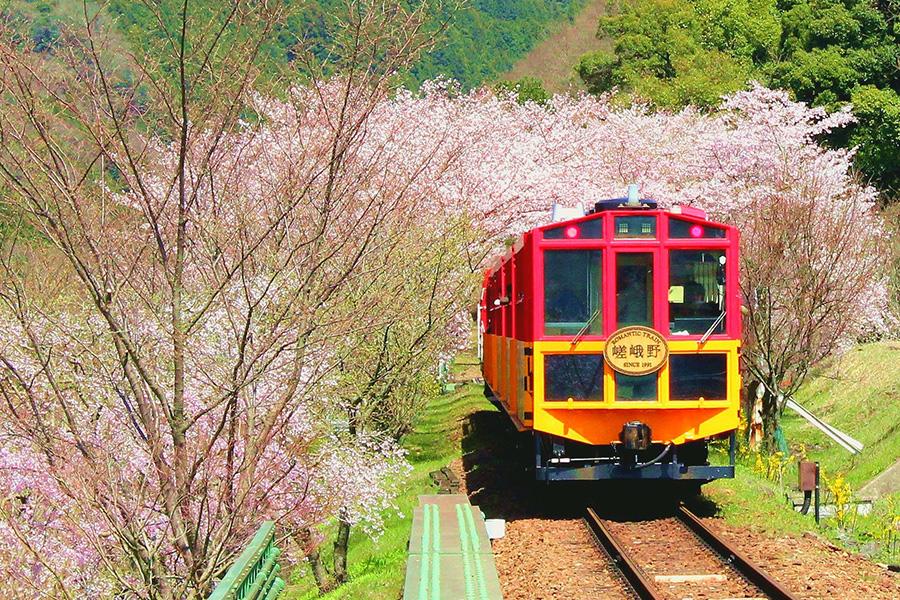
(430, 175)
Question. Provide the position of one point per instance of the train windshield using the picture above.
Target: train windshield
(634, 289)
(696, 291)
(572, 284)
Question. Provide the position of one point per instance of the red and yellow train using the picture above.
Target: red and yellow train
(614, 338)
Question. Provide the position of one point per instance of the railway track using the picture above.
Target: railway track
(659, 559)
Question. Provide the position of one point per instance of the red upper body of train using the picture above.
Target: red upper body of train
(614, 338)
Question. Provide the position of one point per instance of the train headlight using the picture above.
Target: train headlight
(635, 435)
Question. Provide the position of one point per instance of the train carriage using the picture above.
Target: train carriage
(614, 338)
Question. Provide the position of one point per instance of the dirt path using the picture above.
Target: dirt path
(553, 59)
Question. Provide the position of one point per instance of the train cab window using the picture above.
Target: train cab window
(635, 227)
(636, 387)
(634, 289)
(695, 376)
(696, 291)
(575, 376)
(572, 284)
(586, 230)
(685, 230)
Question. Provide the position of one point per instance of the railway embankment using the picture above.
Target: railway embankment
(859, 393)
(547, 552)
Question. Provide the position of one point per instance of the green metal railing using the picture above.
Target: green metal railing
(254, 575)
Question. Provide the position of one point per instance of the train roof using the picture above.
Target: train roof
(615, 207)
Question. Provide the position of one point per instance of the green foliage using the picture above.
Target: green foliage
(481, 41)
(598, 70)
(878, 133)
(701, 78)
(681, 52)
(526, 89)
(826, 52)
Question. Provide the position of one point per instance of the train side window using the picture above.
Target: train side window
(695, 376)
(636, 387)
(575, 376)
(685, 229)
(572, 284)
(634, 289)
(586, 230)
(696, 291)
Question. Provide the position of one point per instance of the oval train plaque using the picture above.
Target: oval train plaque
(636, 350)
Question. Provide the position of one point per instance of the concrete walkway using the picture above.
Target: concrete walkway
(887, 482)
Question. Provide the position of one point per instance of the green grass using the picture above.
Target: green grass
(465, 368)
(749, 500)
(378, 567)
(859, 393)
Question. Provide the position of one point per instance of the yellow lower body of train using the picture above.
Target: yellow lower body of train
(655, 434)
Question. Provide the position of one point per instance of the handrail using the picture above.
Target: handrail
(254, 575)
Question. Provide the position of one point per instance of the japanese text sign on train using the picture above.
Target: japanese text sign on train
(636, 351)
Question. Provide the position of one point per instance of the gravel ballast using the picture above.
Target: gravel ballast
(548, 552)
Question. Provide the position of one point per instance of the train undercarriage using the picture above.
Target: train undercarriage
(558, 459)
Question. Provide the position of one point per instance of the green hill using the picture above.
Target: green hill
(483, 39)
(859, 393)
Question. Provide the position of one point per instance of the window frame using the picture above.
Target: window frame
(604, 374)
(728, 244)
(600, 291)
(728, 374)
(614, 288)
(667, 331)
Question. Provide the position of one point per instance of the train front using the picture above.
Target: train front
(614, 338)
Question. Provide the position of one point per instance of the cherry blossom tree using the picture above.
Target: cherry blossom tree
(223, 320)
(813, 273)
(168, 363)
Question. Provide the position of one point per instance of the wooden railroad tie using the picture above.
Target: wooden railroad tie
(689, 578)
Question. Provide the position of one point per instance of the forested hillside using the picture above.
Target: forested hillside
(826, 52)
(481, 41)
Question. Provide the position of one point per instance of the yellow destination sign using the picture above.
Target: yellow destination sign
(636, 351)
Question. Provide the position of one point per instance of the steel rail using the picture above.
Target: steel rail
(635, 576)
(735, 558)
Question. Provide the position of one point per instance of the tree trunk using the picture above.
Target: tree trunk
(770, 422)
(340, 551)
(324, 582)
